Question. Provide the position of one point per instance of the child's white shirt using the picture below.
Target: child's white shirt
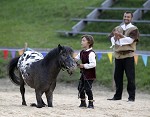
(92, 60)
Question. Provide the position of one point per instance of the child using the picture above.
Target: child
(88, 71)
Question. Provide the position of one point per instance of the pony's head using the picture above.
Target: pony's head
(66, 58)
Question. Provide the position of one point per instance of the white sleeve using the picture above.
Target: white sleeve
(117, 42)
(112, 42)
(77, 57)
(126, 40)
(92, 61)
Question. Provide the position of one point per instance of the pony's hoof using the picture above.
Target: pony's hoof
(50, 105)
(39, 106)
(33, 105)
(24, 103)
(44, 105)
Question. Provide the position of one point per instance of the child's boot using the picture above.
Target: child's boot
(91, 104)
(83, 103)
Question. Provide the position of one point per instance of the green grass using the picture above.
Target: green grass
(129, 3)
(36, 22)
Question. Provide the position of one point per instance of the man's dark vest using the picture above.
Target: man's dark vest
(88, 74)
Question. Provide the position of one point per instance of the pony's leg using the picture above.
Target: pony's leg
(43, 103)
(35, 105)
(22, 91)
(39, 99)
(49, 94)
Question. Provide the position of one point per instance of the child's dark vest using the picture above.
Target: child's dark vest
(88, 74)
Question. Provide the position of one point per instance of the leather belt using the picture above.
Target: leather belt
(125, 52)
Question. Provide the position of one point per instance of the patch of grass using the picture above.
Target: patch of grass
(129, 3)
(35, 22)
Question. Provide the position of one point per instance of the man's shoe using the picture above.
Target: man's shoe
(114, 99)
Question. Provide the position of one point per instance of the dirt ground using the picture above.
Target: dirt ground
(66, 103)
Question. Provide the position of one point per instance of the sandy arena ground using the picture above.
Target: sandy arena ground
(66, 103)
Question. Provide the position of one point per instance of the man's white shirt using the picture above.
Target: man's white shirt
(125, 40)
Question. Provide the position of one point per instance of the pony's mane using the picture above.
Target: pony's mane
(55, 52)
(68, 49)
(52, 54)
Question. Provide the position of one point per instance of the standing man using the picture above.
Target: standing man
(124, 39)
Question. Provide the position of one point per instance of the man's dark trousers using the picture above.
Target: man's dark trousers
(127, 65)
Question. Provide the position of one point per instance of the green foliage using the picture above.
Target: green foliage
(142, 75)
(36, 21)
(3, 67)
(129, 3)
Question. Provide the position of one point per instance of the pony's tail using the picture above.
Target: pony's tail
(12, 66)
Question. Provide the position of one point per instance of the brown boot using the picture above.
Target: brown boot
(83, 103)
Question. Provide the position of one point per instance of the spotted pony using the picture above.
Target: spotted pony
(40, 72)
(26, 60)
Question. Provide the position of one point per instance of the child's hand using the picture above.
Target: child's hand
(121, 35)
(81, 66)
(118, 35)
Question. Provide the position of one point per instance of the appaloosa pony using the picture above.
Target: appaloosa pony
(41, 72)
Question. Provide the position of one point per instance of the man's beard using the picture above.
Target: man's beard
(127, 22)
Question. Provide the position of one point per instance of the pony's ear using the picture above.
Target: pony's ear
(60, 48)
